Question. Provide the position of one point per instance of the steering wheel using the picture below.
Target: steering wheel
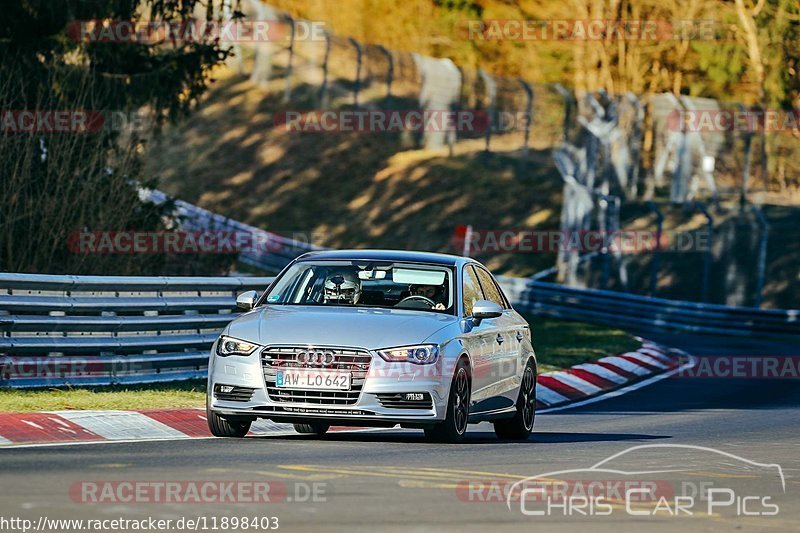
(417, 297)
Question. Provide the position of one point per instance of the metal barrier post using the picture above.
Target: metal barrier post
(324, 87)
(467, 241)
(708, 255)
(762, 254)
(636, 139)
(528, 114)
(566, 94)
(262, 62)
(657, 252)
(357, 84)
(747, 138)
(609, 225)
(491, 89)
(389, 70)
(287, 92)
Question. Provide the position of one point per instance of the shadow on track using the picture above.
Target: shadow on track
(472, 437)
(555, 437)
(678, 394)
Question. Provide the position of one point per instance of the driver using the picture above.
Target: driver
(431, 292)
(343, 288)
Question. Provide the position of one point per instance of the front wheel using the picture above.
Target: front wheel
(521, 425)
(454, 426)
(223, 427)
(313, 428)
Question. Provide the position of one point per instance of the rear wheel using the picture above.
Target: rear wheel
(454, 426)
(312, 428)
(520, 426)
(227, 427)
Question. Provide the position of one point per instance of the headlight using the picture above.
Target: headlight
(230, 346)
(423, 354)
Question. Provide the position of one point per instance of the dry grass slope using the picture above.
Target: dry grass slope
(351, 189)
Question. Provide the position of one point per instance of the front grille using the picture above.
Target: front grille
(232, 394)
(399, 401)
(352, 360)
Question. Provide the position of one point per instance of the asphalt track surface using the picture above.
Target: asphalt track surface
(395, 480)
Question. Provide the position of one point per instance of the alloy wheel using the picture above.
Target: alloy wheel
(461, 401)
(528, 398)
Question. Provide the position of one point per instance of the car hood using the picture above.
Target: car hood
(337, 326)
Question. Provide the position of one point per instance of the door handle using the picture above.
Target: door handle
(520, 336)
(499, 339)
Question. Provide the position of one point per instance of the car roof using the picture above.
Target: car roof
(386, 255)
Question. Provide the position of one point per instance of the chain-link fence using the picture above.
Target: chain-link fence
(645, 139)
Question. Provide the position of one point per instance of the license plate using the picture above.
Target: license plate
(313, 379)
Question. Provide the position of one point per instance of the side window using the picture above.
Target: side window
(490, 288)
(472, 290)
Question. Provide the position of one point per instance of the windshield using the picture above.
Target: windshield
(365, 284)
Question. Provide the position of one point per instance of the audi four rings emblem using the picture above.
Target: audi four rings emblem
(316, 357)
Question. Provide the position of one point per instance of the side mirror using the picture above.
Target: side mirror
(485, 309)
(247, 300)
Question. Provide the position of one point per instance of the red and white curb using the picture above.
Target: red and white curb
(581, 384)
(78, 427)
(608, 377)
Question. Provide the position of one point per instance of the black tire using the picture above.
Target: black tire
(454, 426)
(521, 425)
(224, 427)
(312, 428)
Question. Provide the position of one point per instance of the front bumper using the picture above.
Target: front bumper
(375, 403)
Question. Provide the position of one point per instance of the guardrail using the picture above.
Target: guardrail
(645, 314)
(99, 330)
(273, 251)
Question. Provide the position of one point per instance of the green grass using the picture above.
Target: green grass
(562, 343)
(558, 344)
(180, 394)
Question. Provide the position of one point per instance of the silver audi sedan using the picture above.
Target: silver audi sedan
(376, 338)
